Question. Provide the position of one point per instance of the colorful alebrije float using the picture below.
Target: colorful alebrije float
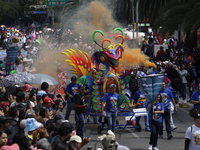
(99, 81)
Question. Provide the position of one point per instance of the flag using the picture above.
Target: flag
(150, 86)
(33, 36)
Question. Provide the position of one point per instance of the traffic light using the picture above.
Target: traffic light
(32, 6)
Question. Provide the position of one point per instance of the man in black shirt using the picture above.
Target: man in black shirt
(80, 105)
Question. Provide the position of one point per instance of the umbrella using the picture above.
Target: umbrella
(16, 78)
(40, 78)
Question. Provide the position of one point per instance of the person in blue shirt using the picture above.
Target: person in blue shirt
(167, 96)
(138, 97)
(156, 109)
(70, 91)
(195, 99)
(111, 99)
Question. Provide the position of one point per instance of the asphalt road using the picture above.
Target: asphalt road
(135, 140)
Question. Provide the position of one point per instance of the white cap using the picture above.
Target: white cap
(75, 138)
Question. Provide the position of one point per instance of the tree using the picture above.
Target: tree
(177, 12)
(9, 12)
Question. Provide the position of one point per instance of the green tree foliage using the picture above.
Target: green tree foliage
(9, 12)
(184, 12)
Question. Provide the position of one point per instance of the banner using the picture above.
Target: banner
(150, 86)
(12, 54)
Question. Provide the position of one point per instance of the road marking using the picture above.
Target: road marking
(134, 134)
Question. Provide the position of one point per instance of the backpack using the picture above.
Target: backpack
(188, 76)
(73, 102)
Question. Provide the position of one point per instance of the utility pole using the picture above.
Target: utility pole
(137, 19)
(133, 21)
(179, 35)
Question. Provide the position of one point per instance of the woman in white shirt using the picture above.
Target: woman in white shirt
(192, 135)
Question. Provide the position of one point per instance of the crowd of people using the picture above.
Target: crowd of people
(31, 118)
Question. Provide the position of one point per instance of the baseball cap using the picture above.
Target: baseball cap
(67, 126)
(12, 147)
(48, 100)
(73, 78)
(75, 138)
(196, 116)
(27, 87)
(112, 85)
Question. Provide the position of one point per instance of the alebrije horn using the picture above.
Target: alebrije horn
(103, 42)
(123, 35)
(93, 36)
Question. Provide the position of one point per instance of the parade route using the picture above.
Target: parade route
(140, 140)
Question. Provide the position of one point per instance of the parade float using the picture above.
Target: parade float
(99, 80)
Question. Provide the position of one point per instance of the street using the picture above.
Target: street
(140, 140)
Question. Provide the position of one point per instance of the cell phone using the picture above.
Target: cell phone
(88, 133)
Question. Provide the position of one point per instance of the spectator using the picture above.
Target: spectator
(192, 79)
(7, 97)
(39, 100)
(3, 138)
(183, 73)
(4, 121)
(12, 147)
(44, 89)
(20, 138)
(58, 107)
(44, 113)
(34, 128)
(192, 132)
(4, 105)
(64, 132)
(43, 144)
(60, 146)
(14, 113)
(50, 129)
(111, 99)
(161, 54)
(76, 140)
(48, 102)
(1, 112)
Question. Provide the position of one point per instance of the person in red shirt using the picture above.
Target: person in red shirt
(161, 54)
